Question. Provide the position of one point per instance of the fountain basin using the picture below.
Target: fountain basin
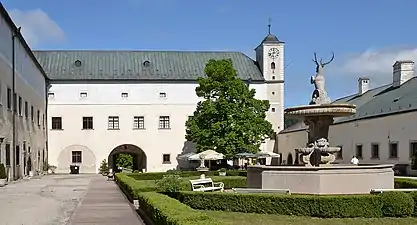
(332, 179)
(335, 110)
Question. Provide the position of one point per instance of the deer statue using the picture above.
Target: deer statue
(319, 95)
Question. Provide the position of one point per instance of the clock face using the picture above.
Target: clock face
(273, 53)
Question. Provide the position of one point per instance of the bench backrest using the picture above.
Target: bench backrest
(202, 181)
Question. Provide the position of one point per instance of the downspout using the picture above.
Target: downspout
(46, 133)
(14, 103)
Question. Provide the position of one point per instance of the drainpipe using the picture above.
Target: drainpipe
(46, 133)
(14, 103)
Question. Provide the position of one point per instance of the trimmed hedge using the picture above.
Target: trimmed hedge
(397, 204)
(159, 175)
(405, 183)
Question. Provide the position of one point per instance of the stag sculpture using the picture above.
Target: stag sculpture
(319, 95)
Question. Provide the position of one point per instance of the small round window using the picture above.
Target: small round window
(146, 64)
(77, 63)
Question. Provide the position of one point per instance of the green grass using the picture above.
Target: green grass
(235, 218)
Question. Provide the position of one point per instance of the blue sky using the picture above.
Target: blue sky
(367, 36)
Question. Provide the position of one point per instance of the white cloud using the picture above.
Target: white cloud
(373, 63)
(37, 26)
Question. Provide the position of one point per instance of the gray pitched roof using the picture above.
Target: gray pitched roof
(139, 65)
(380, 101)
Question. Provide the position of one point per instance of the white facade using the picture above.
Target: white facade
(30, 101)
(73, 101)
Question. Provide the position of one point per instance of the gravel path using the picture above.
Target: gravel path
(50, 200)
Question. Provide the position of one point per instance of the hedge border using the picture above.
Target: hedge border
(159, 175)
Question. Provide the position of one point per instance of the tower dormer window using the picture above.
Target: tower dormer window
(272, 65)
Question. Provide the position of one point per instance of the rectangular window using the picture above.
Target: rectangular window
(164, 122)
(87, 123)
(51, 95)
(26, 110)
(139, 123)
(359, 151)
(162, 94)
(413, 149)
(83, 94)
(56, 123)
(17, 155)
(340, 153)
(15, 103)
(166, 158)
(38, 116)
(9, 98)
(374, 151)
(43, 121)
(7, 154)
(76, 157)
(393, 150)
(32, 114)
(20, 105)
(113, 122)
(124, 95)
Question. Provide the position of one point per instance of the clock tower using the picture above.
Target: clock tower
(270, 58)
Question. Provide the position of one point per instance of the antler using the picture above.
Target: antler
(331, 59)
(315, 59)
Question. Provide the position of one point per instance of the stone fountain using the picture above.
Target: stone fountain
(319, 175)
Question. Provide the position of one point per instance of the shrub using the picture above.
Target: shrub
(397, 204)
(160, 175)
(104, 168)
(164, 210)
(2, 172)
(169, 183)
(405, 183)
(297, 205)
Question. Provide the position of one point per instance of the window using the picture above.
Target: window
(113, 122)
(162, 94)
(273, 109)
(17, 155)
(139, 123)
(51, 95)
(56, 123)
(20, 105)
(340, 153)
(164, 122)
(393, 150)
(125, 95)
(166, 159)
(9, 99)
(272, 65)
(76, 156)
(273, 93)
(83, 94)
(359, 152)
(15, 103)
(413, 148)
(375, 151)
(26, 109)
(31, 113)
(43, 121)
(273, 77)
(7, 154)
(87, 123)
(38, 118)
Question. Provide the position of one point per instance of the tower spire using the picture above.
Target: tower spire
(269, 25)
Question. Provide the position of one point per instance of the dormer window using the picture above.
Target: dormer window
(124, 95)
(51, 95)
(83, 94)
(162, 94)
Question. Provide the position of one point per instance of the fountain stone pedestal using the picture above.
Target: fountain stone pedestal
(318, 175)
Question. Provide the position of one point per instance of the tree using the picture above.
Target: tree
(229, 120)
(104, 168)
(124, 160)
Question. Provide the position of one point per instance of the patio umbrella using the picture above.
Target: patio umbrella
(206, 155)
(245, 155)
(185, 156)
(264, 154)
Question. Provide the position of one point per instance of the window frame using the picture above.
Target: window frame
(139, 123)
(76, 158)
(166, 161)
(390, 149)
(412, 142)
(54, 123)
(372, 151)
(164, 123)
(87, 123)
(113, 123)
(359, 147)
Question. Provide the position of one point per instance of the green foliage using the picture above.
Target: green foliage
(2, 171)
(397, 204)
(229, 120)
(159, 175)
(414, 197)
(124, 160)
(169, 183)
(104, 168)
(414, 161)
(405, 183)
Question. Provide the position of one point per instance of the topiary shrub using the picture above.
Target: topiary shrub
(397, 204)
(104, 168)
(2, 172)
(169, 183)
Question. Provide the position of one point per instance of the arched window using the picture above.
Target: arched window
(272, 65)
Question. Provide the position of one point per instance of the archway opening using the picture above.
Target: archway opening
(127, 156)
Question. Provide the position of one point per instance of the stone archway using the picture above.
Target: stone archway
(83, 157)
(139, 156)
(290, 161)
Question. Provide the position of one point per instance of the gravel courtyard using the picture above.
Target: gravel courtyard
(50, 200)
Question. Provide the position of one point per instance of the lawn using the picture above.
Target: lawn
(235, 218)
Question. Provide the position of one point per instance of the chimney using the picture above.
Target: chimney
(402, 72)
(363, 85)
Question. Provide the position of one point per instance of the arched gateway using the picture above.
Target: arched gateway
(139, 156)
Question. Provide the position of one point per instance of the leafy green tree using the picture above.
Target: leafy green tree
(124, 160)
(230, 119)
(104, 168)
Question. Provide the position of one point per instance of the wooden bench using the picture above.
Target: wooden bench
(378, 191)
(206, 184)
(254, 190)
(110, 176)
